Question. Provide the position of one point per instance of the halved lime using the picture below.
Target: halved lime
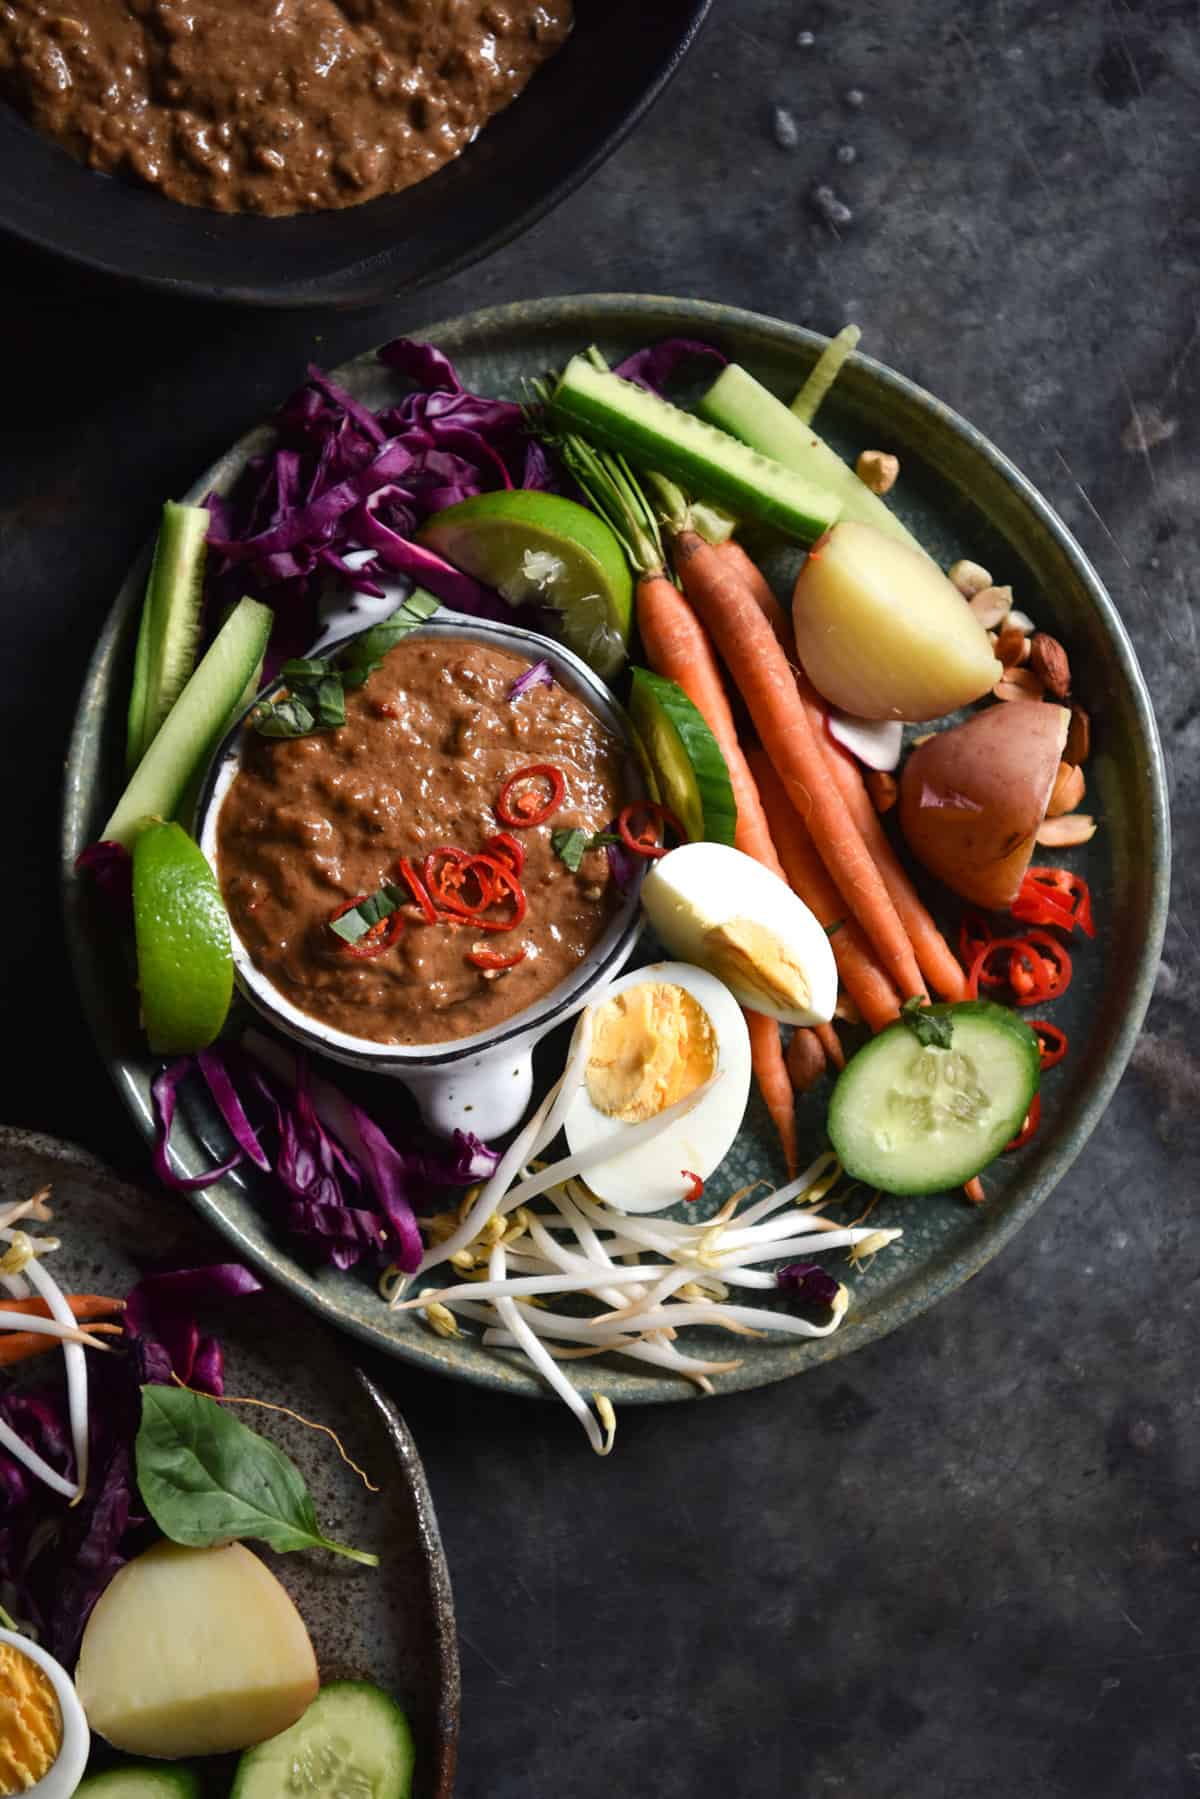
(540, 548)
(184, 955)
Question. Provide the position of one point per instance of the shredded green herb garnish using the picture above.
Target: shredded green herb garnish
(933, 1029)
(354, 925)
(571, 846)
(313, 696)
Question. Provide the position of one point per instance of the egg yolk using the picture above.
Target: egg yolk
(30, 1722)
(652, 1045)
(747, 954)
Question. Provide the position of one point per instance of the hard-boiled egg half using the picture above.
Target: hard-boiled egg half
(658, 1034)
(44, 1738)
(724, 911)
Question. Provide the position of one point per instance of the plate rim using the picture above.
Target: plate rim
(92, 1169)
(664, 313)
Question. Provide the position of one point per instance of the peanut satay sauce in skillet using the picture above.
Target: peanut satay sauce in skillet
(280, 107)
(429, 742)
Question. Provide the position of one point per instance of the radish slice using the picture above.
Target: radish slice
(875, 741)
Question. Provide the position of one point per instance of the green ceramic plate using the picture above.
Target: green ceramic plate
(393, 1625)
(963, 498)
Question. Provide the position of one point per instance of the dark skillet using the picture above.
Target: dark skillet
(575, 111)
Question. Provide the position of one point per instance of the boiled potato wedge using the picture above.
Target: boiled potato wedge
(882, 633)
(194, 1652)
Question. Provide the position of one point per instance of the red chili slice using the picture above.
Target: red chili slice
(381, 936)
(974, 934)
(524, 812)
(644, 842)
(1055, 896)
(1032, 1120)
(1052, 1043)
(696, 1190)
(417, 888)
(506, 848)
(1058, 976)
(500, 873)
(445, 882)
(487, 958)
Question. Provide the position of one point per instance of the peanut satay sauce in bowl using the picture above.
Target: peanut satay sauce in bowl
(414, 798)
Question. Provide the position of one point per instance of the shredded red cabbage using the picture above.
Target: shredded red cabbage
(349, 1191)
(163, 1091)
(159, 1308)
(808, 1282)
(538, 675)
(55, 1558)
(656, 366)
(110, 866)
(341, 477)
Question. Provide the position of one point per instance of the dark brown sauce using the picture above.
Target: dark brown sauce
(271, 106)
(427, 745)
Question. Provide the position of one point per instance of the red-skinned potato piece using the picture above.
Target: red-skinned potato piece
(972, 798)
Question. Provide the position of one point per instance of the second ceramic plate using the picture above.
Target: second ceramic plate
(963, 498)
(393, 1625)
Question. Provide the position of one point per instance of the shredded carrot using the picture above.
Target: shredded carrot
(974, 1191)
(831, 1043)
(865, 981)
(767, 683)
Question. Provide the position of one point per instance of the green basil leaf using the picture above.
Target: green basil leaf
(934, 1030)
(365, 654)
(306, 668)
(291, 717)
(206, 1478)
(330, 703)
(570, 846)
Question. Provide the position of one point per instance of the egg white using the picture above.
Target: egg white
(700, 886)
(651, 1176)
(60, 1781)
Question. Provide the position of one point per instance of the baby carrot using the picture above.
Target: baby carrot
(83, 1306)
(935, 958)
(861, 974)
(767, 683)
(770, 1071)
(677, 646)
(760, 591)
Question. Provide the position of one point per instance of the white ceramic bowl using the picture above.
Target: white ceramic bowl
(480, 1083)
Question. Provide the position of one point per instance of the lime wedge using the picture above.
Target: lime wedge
(539, 548)
(184, 957)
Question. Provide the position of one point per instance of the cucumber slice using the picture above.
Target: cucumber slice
(655, 434)
(740, 404)
(353, 1742)
(196, 722)
(140, 1780)
(170, 628)
(689, 769)
(916, 1119)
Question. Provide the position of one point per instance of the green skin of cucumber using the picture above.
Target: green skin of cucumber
(170, 625)
(346, 1715)
(689, 769)
(655, 434)
(195, 724)
(859, 1104)
(739, 404)
(140, 1780)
